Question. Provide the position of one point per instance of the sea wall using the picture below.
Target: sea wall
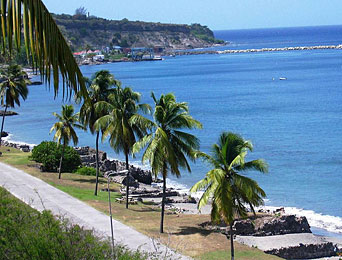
(301, 48)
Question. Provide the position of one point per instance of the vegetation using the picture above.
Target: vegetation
(27, 234)
(87, 171)
(204, 33)
(65, 130)
(230, 191)
(81, 30)
(50, 54)
(183, 232)
(168, 146)
(123, 124)
(13, 86)
(99, 88)
(17, 56)
(49, 154)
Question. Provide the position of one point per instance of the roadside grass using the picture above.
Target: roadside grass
(86, 194)
(26, 233)
(183, 232)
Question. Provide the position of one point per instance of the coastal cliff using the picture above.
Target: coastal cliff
(81, 30)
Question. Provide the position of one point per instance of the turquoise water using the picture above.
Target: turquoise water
(294, 124)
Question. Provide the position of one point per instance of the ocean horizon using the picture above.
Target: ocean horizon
(294, 124)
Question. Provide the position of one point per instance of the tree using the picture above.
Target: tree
(99, 88)
(230, 190)
(65, 130)
(81, 11)
(123, 124)
(44, 42)
(167, 147)
(13, 86)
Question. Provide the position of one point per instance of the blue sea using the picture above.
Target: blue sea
(294, 124)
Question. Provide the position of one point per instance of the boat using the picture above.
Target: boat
(282, 78)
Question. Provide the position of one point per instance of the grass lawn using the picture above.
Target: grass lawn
(183, 232)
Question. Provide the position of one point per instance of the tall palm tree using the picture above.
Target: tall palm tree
(230, 190)
(124, 124)
(13, 86)
(43, 42)
(168, 146)
(99, 88)
(65, 131)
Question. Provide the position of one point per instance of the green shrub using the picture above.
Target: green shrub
(49, 154)
(28, 234)
(87, 171)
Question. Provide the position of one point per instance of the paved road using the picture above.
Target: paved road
(40, 195)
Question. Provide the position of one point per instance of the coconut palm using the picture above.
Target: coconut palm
(99, 88)
(231, 191)
(124, 124)
(168, 146)
(13, 86)
(65, 131)
(43, 42)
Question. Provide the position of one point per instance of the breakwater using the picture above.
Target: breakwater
(301, 48)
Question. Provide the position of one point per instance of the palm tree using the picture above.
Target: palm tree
(123, 124)
(43, 41)
(65, 130)
(168, 146)
(13, 86)
(230, 190)
(99, 88)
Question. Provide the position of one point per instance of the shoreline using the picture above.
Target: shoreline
(232, 51)
(282, 244)
(209, 50)
(321, 223)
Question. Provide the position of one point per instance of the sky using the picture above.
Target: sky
(216, 14)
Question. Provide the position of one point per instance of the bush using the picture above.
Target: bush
(49, 154)
(28, 234)
(87, 171)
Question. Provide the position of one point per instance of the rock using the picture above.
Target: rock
(108, 165)
(35, 83)
(271, 225)
(141, 176)
(8, 113)
(131, 181)
(182, 199)
(4, 134)
(87, 158)
(306, 251)
(244, 228)
(90, 152)
(24, 148)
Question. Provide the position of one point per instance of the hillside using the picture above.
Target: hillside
(81, 30)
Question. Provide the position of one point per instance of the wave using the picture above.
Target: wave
(327, 222)
(318, 220)
(10, 139)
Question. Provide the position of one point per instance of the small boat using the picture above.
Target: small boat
(282, 78)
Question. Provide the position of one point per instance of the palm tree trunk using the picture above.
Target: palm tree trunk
(2, 125)
(60, 163)
(127, 182)
(163, 205)
(97, 162)
(231, 241)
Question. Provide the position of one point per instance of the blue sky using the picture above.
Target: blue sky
(217, 14)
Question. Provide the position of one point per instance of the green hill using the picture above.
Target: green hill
(81, 30)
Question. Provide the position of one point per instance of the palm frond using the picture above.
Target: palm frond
(258, 165)
(43, 41)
